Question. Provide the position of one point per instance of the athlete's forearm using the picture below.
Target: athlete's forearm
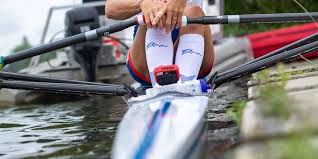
(121, 9)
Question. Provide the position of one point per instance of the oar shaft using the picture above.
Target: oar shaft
(255, 18)
(44, 49)
(90, 35)
(293, 45)
(35, 78)
(265, 63)
(63, 88)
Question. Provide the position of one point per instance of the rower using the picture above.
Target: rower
(163, 41)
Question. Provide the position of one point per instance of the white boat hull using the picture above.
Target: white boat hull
(179, 131)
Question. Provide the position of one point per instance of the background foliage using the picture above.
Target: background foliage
(260, 7)
(25, 44)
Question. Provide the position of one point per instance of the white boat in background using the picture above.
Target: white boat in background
(111, 64)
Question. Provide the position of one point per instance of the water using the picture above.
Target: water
(82, 129)
(86, 129)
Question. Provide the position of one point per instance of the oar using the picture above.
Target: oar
(255, 18)
(301, 42)
(36, 78)
(90, 35)
(138, 20)
(66, 88)
(258, 65)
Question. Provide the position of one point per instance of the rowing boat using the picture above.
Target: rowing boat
(170, 118)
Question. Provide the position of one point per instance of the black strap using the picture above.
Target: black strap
(212, 79)
(131, 90)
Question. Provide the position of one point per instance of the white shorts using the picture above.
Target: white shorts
(194, 3)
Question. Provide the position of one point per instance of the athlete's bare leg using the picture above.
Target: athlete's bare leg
(138, 52)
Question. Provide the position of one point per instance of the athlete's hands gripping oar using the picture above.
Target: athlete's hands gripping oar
(150, 9)
(173, 10)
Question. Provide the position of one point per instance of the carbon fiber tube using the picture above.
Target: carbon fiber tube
(278, 18)
(264, 63)
(293, 45)
(106, 30)
(34, 78)
(255, 18)
(79, 89)
(44, 48)
(90, 35)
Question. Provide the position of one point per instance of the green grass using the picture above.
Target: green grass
(273, 95)
(236, 111)
(296, 146)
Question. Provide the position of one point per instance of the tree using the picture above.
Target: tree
(25, 44)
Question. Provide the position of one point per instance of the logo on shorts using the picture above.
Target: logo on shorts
(190, 51)
(153, 44)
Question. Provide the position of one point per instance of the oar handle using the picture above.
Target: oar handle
(141, 20)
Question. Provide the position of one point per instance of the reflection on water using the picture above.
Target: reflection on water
(79, 129)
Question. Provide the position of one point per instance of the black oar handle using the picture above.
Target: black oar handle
(255, 18)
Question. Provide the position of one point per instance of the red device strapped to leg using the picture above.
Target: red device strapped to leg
(166, 75)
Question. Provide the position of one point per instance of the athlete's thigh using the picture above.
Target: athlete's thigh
(208, 58)
(138, 53)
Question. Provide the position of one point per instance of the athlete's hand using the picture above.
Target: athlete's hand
(174, 11)
(150, 8)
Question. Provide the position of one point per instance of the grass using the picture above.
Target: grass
(236, 111)
(273, 95)
(296, 146)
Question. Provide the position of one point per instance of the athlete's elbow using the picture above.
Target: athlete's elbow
(109, 12)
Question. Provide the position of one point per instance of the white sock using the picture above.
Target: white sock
(190, 56)
(159, 50)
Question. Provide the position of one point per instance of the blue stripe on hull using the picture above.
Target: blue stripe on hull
(151, 134)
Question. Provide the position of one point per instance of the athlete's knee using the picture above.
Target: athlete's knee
(192, 12)
(137, 65)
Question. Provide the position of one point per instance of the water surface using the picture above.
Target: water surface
(82, 129)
